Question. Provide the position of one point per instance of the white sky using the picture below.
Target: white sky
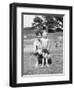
(28, 19)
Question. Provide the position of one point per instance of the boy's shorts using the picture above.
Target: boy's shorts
(45, 51)
(36, 53)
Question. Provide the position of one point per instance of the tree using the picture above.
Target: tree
(50, 22)
(54, 22)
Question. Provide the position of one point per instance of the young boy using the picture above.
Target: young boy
(37, 48)
(45, 49)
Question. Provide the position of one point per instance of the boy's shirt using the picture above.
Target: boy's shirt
(37, 45)
(44, 42)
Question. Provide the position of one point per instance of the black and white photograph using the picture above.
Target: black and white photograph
(40, 44)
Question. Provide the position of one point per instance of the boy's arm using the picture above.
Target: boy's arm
(47, 44)
(34, 47)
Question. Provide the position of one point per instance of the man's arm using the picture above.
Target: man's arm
(47, 44)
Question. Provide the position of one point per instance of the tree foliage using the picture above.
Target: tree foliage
(50, 22)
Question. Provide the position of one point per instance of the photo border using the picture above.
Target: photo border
(22, 16)
(13, 44)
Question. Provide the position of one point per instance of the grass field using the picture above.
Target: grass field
(29, 59)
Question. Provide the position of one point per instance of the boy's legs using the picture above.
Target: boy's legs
(40, 59)
(44, 57)
(40, 56)
(49, 59)
(45, 51)
(36, 54)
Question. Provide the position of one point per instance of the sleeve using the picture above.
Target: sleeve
(50, 45)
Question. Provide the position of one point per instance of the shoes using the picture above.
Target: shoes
(36, 65)
(47, 65)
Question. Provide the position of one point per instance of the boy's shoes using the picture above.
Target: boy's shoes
(42, 65)
(36, 65)
(47, 65)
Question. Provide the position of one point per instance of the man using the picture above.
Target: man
(45, 49)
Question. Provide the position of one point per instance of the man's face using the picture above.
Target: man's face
(44, 35)
(39, 36)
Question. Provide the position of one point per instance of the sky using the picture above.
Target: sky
(28, 20)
